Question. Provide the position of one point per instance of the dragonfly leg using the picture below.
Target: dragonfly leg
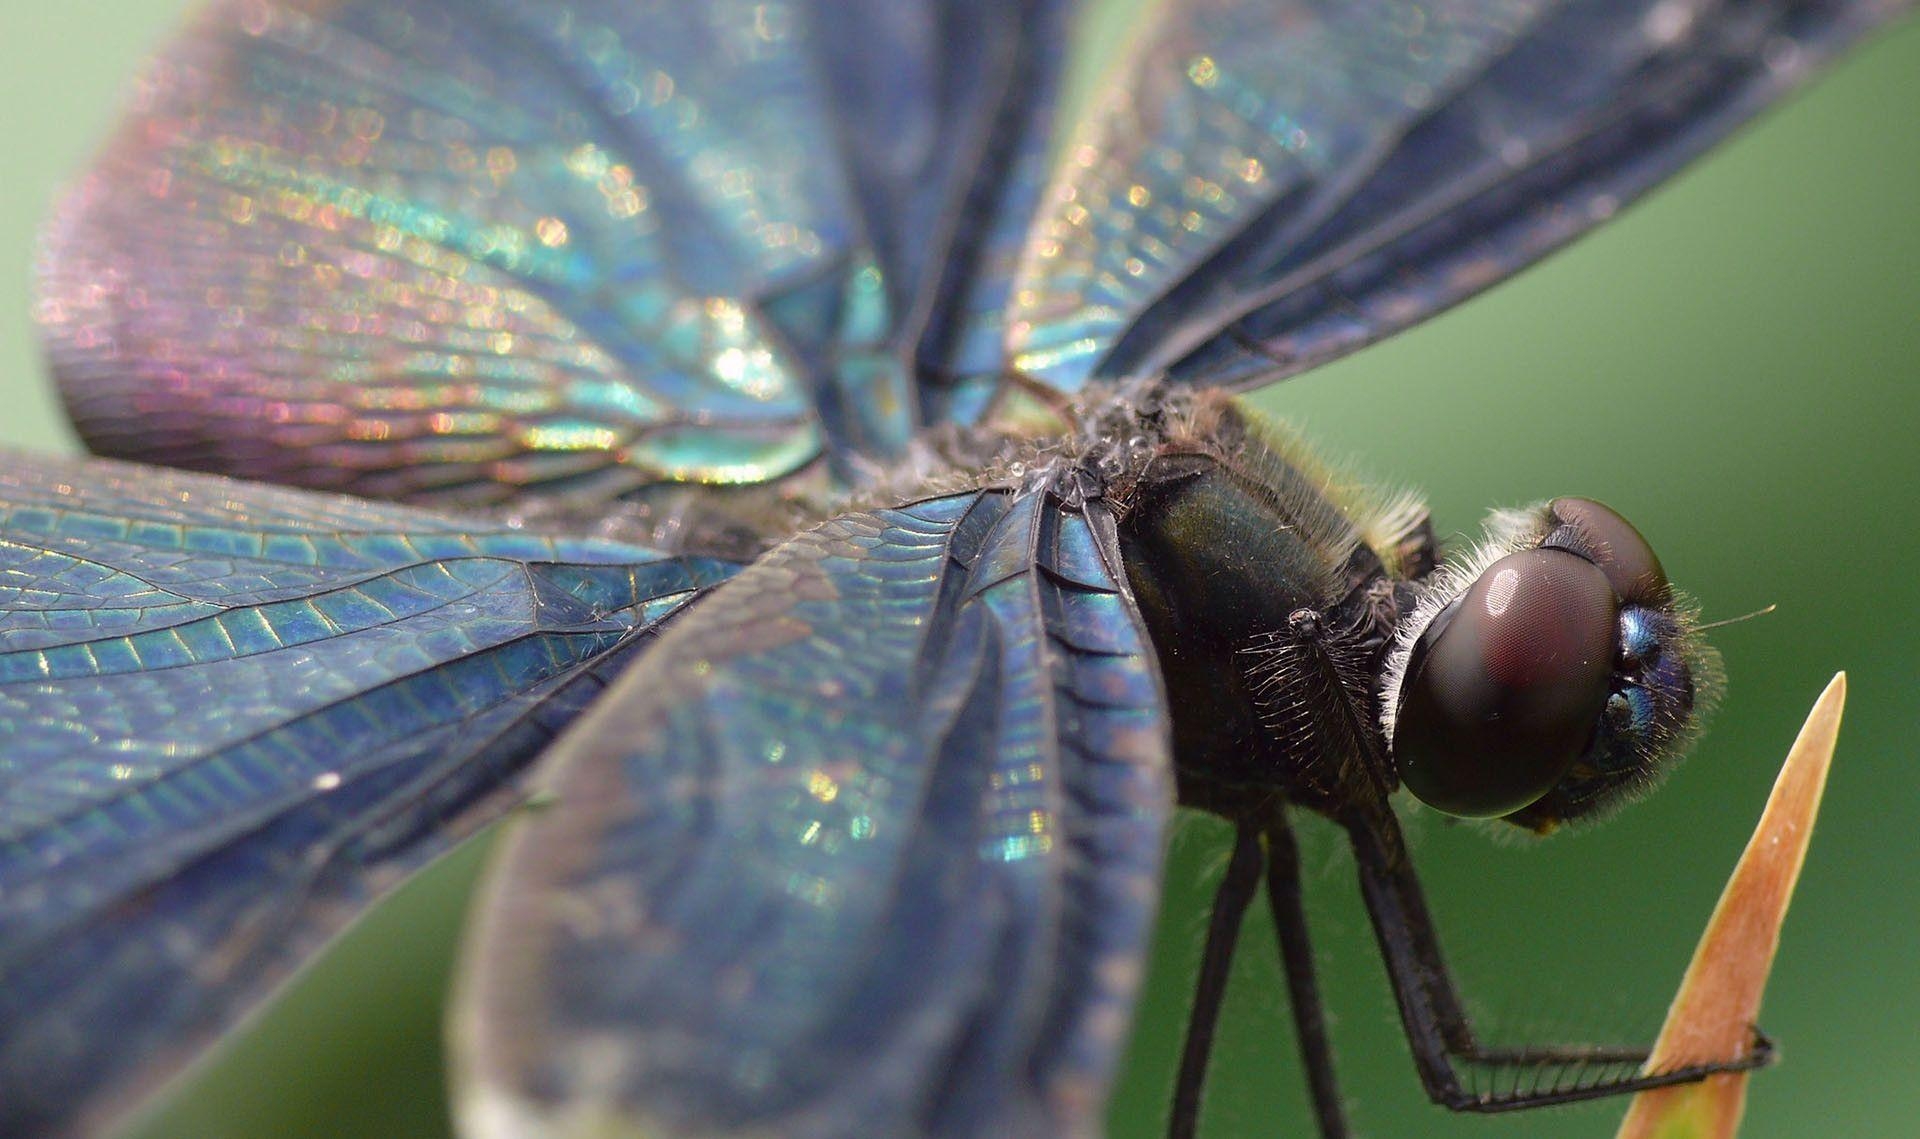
(1223, 930)
(1303, 991)
(1455, 1027)
(1437, 1027)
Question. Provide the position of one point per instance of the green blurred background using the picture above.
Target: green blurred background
(1735, 364)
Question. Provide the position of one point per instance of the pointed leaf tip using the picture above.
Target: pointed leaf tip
(1719, 998)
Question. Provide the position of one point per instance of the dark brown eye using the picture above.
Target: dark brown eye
(1504, 689)
(1611, 543)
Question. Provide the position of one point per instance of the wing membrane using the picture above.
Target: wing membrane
(1274, 185)
(1599, 105)
(1231, 114)
(230, 716)
(456, 251)
(460, 250)
(868, 845)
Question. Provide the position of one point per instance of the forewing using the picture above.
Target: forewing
(962, 351)
(868, 845)
(1271, 185)
(466, 249)
(230, 717)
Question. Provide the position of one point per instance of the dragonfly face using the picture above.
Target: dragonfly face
(849, 832)
(1563, 678)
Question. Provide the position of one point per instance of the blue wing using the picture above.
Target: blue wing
(461, 249)
(231, 716)
(1270, 185)
(868, 844)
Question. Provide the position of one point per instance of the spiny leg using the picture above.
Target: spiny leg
(1455, 1027)
(1223, 930)
(1430, 1011)
(1303, 992)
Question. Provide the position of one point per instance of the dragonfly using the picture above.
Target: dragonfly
(303, 214)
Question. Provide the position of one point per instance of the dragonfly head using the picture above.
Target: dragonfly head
(1551, 677)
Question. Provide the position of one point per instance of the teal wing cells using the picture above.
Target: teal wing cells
(482, 250)
(869, 843)
(1266, 187)
(233, 716)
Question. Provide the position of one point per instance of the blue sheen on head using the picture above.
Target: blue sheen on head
(1640, 632)
(1664, 678)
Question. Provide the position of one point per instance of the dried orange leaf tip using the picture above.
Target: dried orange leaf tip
(1719, 998)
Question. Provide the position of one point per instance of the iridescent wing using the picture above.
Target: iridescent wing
(230, 717)
(868, 844)
(1269, 185)
(462, 249)
(440, 250)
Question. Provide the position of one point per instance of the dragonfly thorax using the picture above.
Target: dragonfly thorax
(1270, 590)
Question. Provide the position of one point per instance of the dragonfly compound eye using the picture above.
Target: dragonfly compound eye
(1504, 688)
(1598, 533)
